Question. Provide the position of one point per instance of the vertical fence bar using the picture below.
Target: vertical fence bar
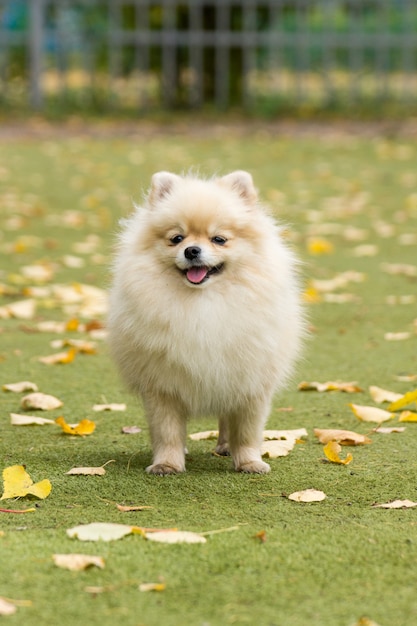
(169, 45)
(35, 53)
(222, 55)
(196, 88)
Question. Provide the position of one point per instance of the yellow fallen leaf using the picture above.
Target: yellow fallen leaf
(60, 358)
(405, 400)
(152, 587)
(332, 450)
(39, 272)
(19, 387)
(100, 531)
(85, 427)
(28, 420)
(343, 437)
(317, 246)
(18, 483)
(41, 401)
(407, 416)
(307, 495)
(347, 387)
(77, 562)
(371, 413)
(89, 471)
(175, 536)
(383, 395)
(396, 504)
(80, 345)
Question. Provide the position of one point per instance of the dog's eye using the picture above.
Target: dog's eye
(220, 241)
(177, 239)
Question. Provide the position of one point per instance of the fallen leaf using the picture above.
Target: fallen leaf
(175, 536)
(60, 358)
(128, 509)
(80, 345)
(89, 471)
(397, 269)
(308, 495)
(401, 336)
(85, 427)
(347, 387)
(109, 407)
(7, 607)
(28, 420)
(152, 587)
(294, 434)
(41, 401)
(406, 378)
(383, 395)
(371, 413)
(31, 510)
(317, 246)
(275, 448)
(22, 310)
(98, 531)
(408, 416)
(261, 535)
(343, 437)
(388, 431)
(77, 562)
(365, 621)
(18, 483)
(408, 398)
(131, 430)
(24, 385)
(207, 434)
(396, 504)
(332, 450)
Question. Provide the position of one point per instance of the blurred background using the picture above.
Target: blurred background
(266, 57)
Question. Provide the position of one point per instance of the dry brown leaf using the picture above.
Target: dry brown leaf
(40, 401)
(7, 607)
(19, 387)
(77, 562)
(307, 495)
(22, 310)
(400, 336)
(98, 531)
(131, 430)
(89, 471)
(207, 434)
(343, 437)
(294, 434)
(396, 504)
(276, 448)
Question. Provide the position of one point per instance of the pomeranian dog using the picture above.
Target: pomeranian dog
(205, 315)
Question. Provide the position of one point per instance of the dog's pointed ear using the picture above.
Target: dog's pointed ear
(162, 184)
(241, 182)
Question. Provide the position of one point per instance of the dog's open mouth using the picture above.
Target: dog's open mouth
(198, 274)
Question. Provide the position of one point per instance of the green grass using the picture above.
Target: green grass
(322, 564)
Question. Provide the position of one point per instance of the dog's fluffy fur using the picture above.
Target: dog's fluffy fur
(205, 314)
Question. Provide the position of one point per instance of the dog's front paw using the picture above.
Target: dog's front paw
(254, 467)
(164, 469)
(222, 449)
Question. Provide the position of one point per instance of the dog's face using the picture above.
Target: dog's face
(199, 229)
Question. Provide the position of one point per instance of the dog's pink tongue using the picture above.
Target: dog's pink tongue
(197, 274)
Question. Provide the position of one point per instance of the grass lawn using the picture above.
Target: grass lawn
(351, 206)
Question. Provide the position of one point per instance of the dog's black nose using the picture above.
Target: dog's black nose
(192, 252)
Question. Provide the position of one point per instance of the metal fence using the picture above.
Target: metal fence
(138, 54)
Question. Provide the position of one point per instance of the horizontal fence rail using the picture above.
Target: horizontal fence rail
(138, 54)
